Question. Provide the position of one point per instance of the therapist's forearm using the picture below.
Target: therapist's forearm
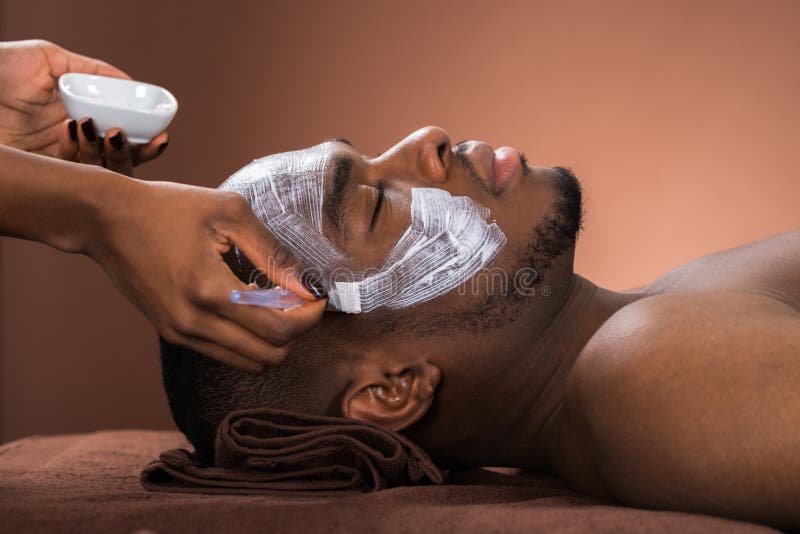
(55, 202)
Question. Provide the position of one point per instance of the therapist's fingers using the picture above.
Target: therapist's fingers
(68, 140)
(221, 354)
(239, 340)
(274, 326)
(150, 151)
(278, 327)
(88, 143)
(268, 254)
(62, 61)
(118, 155)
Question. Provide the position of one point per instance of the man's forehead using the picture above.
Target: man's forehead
(311, 159)
(284, 168)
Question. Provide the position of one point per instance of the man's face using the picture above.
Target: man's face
(366, 208)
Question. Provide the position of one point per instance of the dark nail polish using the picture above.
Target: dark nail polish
(72, 126)
(313, 286)
(162, 147)
(117, 141)
(88, 130)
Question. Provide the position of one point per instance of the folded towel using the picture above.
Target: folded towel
(266, 451)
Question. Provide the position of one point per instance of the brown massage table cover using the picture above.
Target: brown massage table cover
(90, 483)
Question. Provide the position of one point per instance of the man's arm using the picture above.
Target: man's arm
(690, 402)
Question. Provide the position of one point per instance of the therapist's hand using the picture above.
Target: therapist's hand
(161, 244)
(32, 117)
(79, 142)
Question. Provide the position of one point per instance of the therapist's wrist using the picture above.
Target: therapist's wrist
(109, 200)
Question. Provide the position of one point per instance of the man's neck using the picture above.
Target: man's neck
(525, 388)
(548, 363)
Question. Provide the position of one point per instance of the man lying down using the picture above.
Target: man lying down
(468, 330)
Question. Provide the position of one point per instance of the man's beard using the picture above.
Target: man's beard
(559, 229)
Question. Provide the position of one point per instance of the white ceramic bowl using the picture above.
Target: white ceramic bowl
(141, 109)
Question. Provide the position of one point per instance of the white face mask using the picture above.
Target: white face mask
(447, 242)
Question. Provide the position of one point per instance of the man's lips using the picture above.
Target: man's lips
(506, 166)
(496, 169)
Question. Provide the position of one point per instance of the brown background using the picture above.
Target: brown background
(681, 118)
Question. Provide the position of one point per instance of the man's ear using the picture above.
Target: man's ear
(391, 400)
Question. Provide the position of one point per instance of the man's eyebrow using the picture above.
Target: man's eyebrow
(335, 214)
(339, 140)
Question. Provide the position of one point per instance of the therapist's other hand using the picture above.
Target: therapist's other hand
(31, 112)
(79, 142)
(162, 246)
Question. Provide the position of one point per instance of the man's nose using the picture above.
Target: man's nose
(425, 155)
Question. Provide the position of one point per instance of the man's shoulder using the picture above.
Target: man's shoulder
(678, 317)
(671, 330)
(683, 345)
(683, 387)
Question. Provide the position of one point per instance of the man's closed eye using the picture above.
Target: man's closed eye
(378, 205)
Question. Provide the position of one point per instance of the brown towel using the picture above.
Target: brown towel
(264, 451)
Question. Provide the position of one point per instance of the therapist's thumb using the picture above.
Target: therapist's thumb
(270, 256)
